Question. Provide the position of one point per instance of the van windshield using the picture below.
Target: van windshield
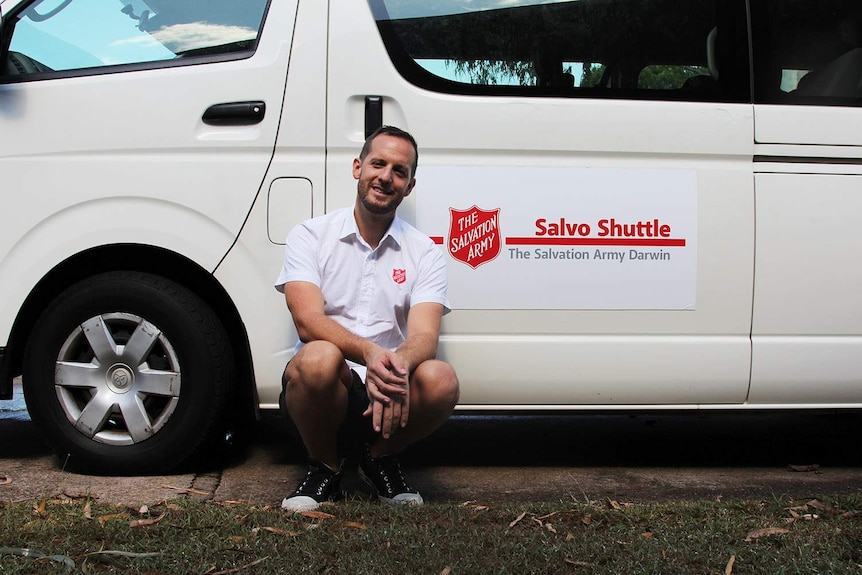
(56, 35)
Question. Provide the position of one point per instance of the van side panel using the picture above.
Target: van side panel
(566, 357)
(125, 157)
(292, 191)
(807, 327)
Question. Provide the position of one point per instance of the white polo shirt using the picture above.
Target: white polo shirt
(369, 292)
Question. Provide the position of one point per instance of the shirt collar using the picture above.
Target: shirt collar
(349, 229)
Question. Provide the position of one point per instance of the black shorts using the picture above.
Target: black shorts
(356, 429)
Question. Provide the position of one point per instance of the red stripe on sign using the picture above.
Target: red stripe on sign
(437, 240)
(657, 242)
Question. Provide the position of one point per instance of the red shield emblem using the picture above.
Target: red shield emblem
(474, 235)
(399, 276)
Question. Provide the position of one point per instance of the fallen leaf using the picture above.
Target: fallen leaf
(5, 480)
(758, 533)
(88, 513)
(237, 538)
(804, 468)
(129, 554)
(820, 506)
(548, 516)
(728, 569)
(317, 515)
(569, 536)
(232, 502)
(447, 570)
(354, 525)
(576, 563)
(236, 569)
(550, 528)
(146, 522)
(517, 519)
(187, 490)
(614, 505)
(112, 517)
(646, 535)
(36, 554)
(278, 531)
(587, 519)
(40, 509)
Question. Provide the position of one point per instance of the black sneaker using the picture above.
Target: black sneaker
(321, 484)
(384, 474)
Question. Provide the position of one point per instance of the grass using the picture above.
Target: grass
(356, 537)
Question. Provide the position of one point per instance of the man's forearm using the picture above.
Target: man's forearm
(418, 348)
(323, 328)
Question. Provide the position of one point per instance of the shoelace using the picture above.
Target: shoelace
(322, 484)
(389, 470)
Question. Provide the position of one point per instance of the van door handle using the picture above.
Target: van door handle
(373, 114)
(235, 114)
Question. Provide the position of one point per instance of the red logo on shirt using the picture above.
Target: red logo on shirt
(474, 235)
(400, 276)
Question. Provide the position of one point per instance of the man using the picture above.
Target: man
(367, 293)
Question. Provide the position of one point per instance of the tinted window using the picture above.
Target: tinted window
(67, 35)
(808, 51)
(656, 49)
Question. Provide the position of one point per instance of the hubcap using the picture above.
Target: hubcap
(117, 379)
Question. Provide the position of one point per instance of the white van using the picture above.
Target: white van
(644, 204)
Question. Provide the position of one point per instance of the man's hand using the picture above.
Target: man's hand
(387, 382)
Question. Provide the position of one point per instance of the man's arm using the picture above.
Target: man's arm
(423, 334)
(305, 302)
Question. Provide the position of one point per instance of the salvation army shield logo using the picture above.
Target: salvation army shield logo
(474, 235)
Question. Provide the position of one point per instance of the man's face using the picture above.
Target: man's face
(385, 176)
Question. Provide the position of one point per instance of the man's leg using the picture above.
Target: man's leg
(317, 379)
(434, 392)
(433, 395)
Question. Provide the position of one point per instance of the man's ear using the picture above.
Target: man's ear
(357, 168)
(410, 187)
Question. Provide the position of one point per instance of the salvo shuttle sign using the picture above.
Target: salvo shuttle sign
(563, 238)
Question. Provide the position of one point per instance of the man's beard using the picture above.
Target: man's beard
(375, 208)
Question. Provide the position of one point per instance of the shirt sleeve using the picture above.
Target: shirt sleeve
(432, 284)
(300, 257)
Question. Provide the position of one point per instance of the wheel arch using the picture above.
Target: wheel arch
(141, 258)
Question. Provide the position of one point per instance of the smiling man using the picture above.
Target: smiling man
(367, 293)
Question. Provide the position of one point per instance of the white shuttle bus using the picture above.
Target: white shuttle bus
(644, 204)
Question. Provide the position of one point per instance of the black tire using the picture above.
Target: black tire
(127, 373)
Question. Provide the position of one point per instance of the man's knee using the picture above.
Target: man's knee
(440, 384)
(317, 367)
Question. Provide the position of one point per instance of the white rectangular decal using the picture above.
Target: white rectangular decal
(563, 238)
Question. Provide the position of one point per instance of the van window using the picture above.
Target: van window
(80, 35)
(808, 52)
(662, 49)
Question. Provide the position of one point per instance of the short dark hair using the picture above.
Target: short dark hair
(397, 133)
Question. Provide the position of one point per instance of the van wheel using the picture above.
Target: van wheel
(127, 373)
